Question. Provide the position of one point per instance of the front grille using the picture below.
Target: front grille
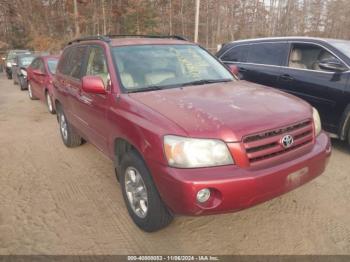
(266, 145)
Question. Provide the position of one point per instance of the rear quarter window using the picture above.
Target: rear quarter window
(267, 53)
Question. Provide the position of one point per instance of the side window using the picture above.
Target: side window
(96, 64)
(34, 64)
(72, 61)
(76, 62)
(236, 54)
(41, 66)
(64, 62)
(308, 56)
(267, 53)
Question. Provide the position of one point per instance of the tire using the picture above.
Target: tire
(49, 103)
(30, 92)
(69, 137)
(156, 216)
(22, 84)
(9, 76)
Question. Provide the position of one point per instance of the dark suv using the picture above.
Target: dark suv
(19, 69)
(314, 69)
(10, 60)
(185, 135)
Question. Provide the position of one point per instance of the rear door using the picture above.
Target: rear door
(35, 78)
(321, 88)
(41, 80)
(259, 62)
(68, 84)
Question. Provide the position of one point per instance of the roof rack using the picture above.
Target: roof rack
(150, 36)
(107, 38)
(88, 38)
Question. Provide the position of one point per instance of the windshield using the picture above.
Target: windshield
(26, 60)
(148, 66)
(343, 46)
(52, 64)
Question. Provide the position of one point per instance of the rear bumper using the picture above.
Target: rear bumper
(234, 188)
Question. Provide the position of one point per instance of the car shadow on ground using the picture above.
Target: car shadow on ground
(342, 146)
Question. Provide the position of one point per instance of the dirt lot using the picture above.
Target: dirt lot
(55, 200)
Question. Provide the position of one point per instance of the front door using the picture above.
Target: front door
(92, 107)
(322, 88)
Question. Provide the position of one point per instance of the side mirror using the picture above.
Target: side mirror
(233, 69)
(38, 72)
(332, 64)
(93, 85)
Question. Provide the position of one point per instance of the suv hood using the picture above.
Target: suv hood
(226, 111)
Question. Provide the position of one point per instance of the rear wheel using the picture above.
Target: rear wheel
(141, 196)
(49, 103)
(30, 92)
(69, 136)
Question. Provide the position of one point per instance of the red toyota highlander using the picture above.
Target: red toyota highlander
(185, 135)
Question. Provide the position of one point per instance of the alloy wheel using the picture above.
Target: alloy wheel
(63, 127)
(49, 102)
(136, 192)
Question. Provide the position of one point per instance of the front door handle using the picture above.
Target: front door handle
(287, 77)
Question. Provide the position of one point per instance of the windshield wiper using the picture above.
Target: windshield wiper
(147, 88)
(206, 81)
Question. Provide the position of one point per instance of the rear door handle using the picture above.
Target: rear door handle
(287, 78)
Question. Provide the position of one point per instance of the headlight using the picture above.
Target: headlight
(9, 64)
(24, 72)
(190, 152)
(317, 121)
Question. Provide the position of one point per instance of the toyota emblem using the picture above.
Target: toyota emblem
(287, 141)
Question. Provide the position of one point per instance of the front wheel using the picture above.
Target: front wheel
(142, 199)
(49, 103)
(69, 136)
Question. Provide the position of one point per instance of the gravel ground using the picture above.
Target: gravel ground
(55, 200)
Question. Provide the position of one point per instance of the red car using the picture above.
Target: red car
(185, 135)
(40, 75)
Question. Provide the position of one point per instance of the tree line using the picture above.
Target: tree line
(49, 24)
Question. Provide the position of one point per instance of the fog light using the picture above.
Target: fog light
(203, 195)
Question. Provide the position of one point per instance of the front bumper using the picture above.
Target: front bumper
(234, 188)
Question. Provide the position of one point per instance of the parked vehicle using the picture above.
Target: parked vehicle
(19, 69)
(10, 60)
(185, 135)
(314, 69)
(40, 77)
